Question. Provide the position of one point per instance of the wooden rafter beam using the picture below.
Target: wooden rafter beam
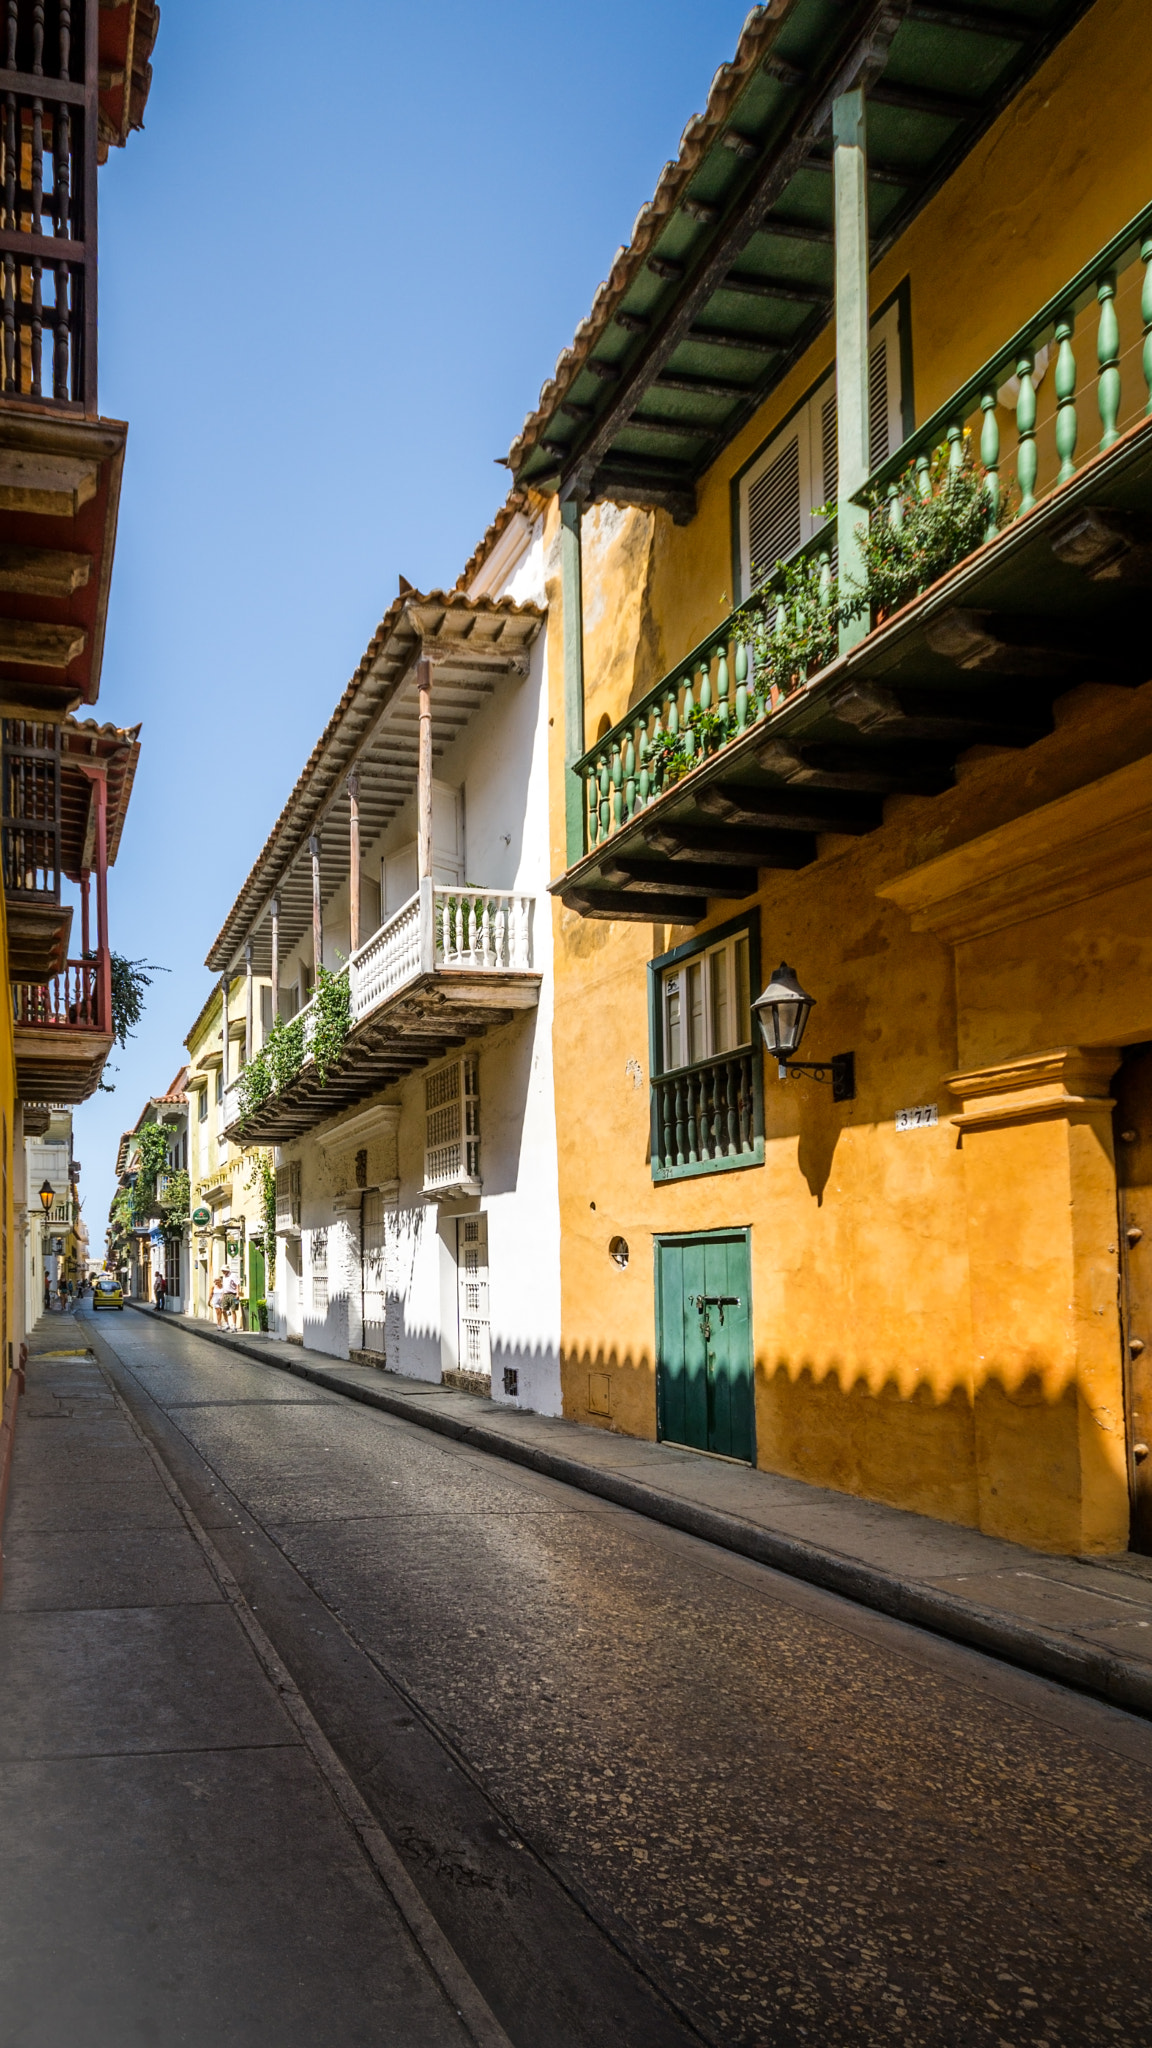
(860, 59)
(982, 21)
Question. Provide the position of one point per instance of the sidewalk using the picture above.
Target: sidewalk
(182, 1856)
(1086, 1622)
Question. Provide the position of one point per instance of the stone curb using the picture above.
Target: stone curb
(1114, 1679)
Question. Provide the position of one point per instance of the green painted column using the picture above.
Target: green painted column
(572, 593)
(850, 202)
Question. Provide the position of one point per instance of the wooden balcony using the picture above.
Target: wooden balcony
(450, 966)
(1054, 596)
(54, 778)
(75, 78)
(62, 1033)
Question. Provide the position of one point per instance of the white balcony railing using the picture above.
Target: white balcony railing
(454, 930)
(391, 957)
(476, 931)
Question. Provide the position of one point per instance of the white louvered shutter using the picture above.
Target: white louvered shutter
(774, 518)
(288, 1196)
(472, 1281)
(785, 488)
(452, 1127)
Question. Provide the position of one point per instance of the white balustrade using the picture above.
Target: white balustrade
(390, 958)
(483, 930)
(475, 930)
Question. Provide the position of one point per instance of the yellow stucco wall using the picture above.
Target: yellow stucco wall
(934, 1312)
(213, 1161)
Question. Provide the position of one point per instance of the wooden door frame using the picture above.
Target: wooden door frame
(671, 1237)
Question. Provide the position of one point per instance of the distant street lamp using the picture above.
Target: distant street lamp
(47, 1195)
(782, 1012)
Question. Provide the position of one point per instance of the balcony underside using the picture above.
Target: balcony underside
(433, 1016)
(55, 1064)
(39, 927)
(59, 493)
(1059, 598)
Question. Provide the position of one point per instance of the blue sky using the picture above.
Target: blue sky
(335, 269)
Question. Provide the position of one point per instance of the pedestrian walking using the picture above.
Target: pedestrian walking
(216, 1300)
(230, 1301)
(160, 1289)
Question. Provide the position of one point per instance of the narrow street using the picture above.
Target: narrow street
(654, 1793)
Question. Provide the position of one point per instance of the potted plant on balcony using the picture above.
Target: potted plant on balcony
(938, 512)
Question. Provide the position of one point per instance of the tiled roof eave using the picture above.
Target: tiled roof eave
(760, 30)
(413, 618)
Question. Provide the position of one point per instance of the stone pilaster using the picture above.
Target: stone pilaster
(1048, 1393)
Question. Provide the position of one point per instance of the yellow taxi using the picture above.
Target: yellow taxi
(106, 1291)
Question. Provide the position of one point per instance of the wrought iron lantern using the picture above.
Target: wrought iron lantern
(47, 1196)
(782, 1012)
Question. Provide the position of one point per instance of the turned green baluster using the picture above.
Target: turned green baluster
(644, 782)
(1146, 316)
(1067, 427)
(605, 797)
(689, 708)
(895, 508)
(1026, 457)
(824, 581)
(722, 683)
(658, 743)
(924, 475)
(617, 788)
(629, 775)
(990, 457)
(705, 698)
(955, 449)
(1108, 357)
(741, 686)
(592, 796)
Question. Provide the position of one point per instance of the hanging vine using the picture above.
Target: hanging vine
(332, 1020)
(175, 1203)
(152, 1142)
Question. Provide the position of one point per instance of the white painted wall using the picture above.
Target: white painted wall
(500, 764)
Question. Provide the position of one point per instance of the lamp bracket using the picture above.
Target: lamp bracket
(840, 1070)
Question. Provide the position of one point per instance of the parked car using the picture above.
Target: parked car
(107, 1292)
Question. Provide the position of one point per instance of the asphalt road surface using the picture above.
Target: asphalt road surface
(654, 1793)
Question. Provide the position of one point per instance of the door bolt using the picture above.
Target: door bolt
(1139, 1452)
(1135, 1346)
(1133, 1233)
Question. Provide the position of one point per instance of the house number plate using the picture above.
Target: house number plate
(916, 1119)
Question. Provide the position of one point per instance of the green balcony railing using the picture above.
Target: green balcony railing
(710, 697)
(707, 700)
(1006, 396)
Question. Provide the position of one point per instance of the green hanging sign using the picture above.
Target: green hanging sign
(201, 1218)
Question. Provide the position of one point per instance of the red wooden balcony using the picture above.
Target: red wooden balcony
(62, 1031)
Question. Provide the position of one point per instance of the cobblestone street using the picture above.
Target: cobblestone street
(799, 1821)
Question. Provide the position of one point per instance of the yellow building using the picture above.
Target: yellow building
(71, 95)
(227, 1181)
(919, 1276)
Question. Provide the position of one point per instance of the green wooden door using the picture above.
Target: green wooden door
(704, 1343)
(255, 1282)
